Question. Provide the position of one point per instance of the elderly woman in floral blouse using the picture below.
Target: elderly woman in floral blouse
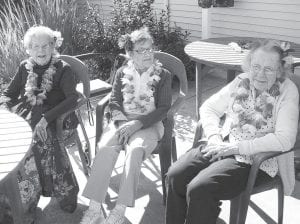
(43, 88)
(140, 99)
(261, 108)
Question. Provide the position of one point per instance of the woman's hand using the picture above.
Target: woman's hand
(41, 129)
(127, 129)
(217, 151)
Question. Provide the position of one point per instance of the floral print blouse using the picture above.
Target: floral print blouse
(252, 117)
(138, 90)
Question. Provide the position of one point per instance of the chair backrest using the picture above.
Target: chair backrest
(175, 67)
(80, 70)
(173, 64)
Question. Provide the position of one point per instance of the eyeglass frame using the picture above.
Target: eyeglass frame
(145, 51)
(267, 70)
(44, 47)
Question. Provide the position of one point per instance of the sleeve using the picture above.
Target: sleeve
(116, 100)
(284, 136)
(68, 86)
(163, 104)
(12, 92)
(214, 108)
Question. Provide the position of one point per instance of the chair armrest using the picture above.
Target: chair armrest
(100, 108)
(257, 161)
(198, 134)
(175, 107)
(87, 55)
(59, 121)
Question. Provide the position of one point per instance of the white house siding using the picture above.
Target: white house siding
(106, 7)
(278, 19)
(258, 18)
(187, 15)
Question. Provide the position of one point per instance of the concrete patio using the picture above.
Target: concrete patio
(149, 208)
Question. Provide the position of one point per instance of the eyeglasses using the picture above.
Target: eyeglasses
(144, 51)
(43, 47)
(267, 70)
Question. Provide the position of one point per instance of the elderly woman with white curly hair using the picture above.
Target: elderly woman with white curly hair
(42, 89)
(261, 108)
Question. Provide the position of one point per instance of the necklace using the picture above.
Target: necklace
(262, 108)
(137, 97)
(35, 95)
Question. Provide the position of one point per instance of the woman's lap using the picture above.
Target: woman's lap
(226, 178)
(145, 139)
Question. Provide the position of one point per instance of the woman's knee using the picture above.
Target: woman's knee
(136, 154)
(176, 179)
(199, 189)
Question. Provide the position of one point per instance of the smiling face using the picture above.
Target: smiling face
(41, 49)
(264, 69)
(142, 55)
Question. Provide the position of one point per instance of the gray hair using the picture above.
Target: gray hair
(40, 30)
(268, 46)
(128, 41)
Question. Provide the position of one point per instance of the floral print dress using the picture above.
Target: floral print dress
(45, 169)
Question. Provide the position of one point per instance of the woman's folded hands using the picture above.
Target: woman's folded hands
(218, 150)
(127, 129)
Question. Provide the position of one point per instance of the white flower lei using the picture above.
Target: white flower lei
(263, 107)
(128, 90)
(31, 83)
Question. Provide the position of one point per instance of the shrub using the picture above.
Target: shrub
(92, 34)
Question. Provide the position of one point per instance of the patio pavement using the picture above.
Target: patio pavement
(149, 208)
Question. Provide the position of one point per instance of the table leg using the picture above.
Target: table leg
(199, 68)
(230, 75)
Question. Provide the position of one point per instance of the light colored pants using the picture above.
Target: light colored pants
(140, 145)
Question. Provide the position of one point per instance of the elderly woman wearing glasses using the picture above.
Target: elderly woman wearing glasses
(44, 88)
(140, 99)
(261, 108)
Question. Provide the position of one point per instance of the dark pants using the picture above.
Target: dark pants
(196, 186)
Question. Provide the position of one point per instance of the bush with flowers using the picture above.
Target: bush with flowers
(93, 34)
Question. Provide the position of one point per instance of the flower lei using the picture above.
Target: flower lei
(35, 95)
(263, 106)
(129, 91)
(287, 59)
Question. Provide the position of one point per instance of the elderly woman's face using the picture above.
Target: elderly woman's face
(142, 55)
(41, 49)
(264, 69)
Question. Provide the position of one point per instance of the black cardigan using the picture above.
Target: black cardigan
(62, 97)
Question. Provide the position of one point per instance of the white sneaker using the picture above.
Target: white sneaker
(115, 217)
(92, 217)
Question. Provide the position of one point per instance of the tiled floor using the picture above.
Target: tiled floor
(149, 208)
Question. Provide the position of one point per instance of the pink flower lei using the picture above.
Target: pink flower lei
(31, 83)
(263, 106)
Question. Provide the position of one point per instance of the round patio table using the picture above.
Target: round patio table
(15, 139)
(216, 52)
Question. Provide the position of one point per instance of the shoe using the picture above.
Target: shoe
(92, 217)
(115, 218)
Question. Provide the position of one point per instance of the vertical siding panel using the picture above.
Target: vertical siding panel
(187, 15)
(106, 7)
(259, 18)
